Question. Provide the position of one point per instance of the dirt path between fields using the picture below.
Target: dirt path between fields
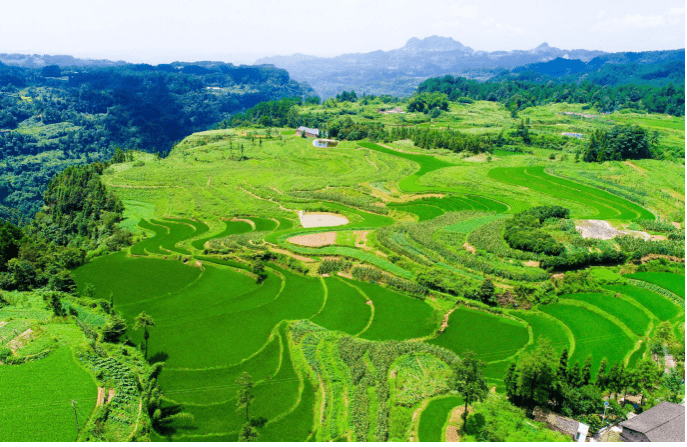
(20, 340)
(444, 322)
(133, 432)
(636, 168)
(293, 255)
(455, 423)
(101, 397)
(469, 248)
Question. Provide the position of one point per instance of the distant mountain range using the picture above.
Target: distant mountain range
(43, 60)
(400, 71)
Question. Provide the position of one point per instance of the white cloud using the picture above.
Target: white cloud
(637, 21)
(468, 12)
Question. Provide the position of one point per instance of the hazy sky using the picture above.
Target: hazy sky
(240, 31)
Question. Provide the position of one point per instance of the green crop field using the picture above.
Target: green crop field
(593, 334)
(35, 399)
(670, 281)
(543, 326)
(231, 227)
(663, 308)
(345, 310)
(434, 416)
(491, 337)
(624, 310)
(601, 205)
(396, 316)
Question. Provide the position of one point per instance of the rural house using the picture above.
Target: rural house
(663, 423)
(310, 133)
(576, 430)
(394, 110)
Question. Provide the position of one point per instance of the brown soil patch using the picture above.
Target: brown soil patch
(531, 263)
(314, 240)
(368, 302)
(677, 225)
(2, 323)
(600, 229)
(345, 275)
(21, 339)
(110, 395)
(654, 256)
(361, 237)
(101, 397)
(635, 167)
(469, 248)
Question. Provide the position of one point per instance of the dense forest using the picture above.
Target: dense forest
(54, 117)
(523, 91)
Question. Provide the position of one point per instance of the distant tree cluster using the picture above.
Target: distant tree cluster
(621, 143)
(427, 102)
(518, 94)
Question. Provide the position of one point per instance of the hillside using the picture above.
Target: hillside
(355, 331)
(53, 117)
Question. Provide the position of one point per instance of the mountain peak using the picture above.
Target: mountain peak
(433, 43)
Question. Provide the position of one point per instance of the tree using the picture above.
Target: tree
(563, 366)
(537, 378)
(470, 381)
(245, 394)
(602, 376)
(10, 236)
(645, 377)
(248, 433)
(586, 374)
(114, 329)
(574, 375)
(144, 321)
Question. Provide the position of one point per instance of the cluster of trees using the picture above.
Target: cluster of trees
(523, 231)
(542, 379)
(443, 139)
(527, 92)
(621, 143)
(80, 214)
(82, 116)
(581, 258)
(428, 102)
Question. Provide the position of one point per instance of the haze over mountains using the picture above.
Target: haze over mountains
(400, 71)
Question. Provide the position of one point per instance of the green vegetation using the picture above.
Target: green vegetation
(670, 281)
(434, 418)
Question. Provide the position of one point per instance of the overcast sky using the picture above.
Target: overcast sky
(240, 31)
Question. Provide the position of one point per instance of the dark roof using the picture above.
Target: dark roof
(556, 422)
(663, 423)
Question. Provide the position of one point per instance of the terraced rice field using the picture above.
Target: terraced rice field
(429, 208)
(396, 316)
(490, 337)
(346, 309)
(663, 308)
(230, 227)
(669, 281)
(50, 384)
(543, 326)
(434, 417)
(601, 205)
(634, 317)
(593, 334)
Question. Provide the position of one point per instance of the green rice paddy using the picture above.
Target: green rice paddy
(48, 385)
(624, 310)
(669, 281)
(490, 337)
(663, 308)
(434, 417)
(601, 204)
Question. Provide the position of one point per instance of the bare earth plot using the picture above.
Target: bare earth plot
(314, 240)
(600, 229)
(313, 220)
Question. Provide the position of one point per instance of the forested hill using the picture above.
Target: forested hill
(53, 117)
